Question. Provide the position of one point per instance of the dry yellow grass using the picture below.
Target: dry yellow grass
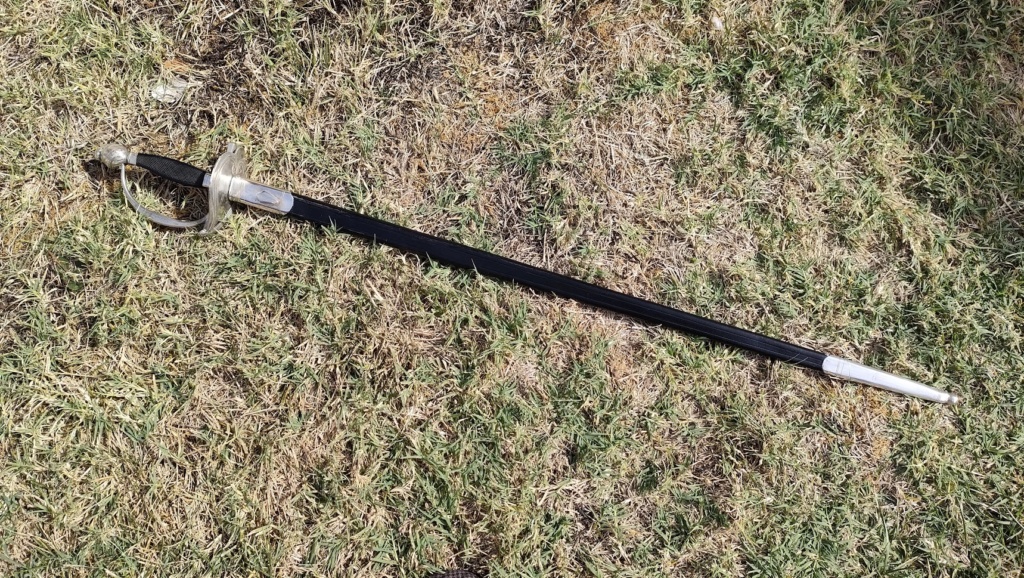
(277, 401)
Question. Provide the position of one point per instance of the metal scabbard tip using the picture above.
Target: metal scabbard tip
(953, 399)
(112, 155)
(846, 369)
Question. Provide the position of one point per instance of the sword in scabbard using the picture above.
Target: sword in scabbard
(228, 182)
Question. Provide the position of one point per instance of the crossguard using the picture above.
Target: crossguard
(226, 181)
(229, 175)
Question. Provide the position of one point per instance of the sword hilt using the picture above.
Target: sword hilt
(226, 181)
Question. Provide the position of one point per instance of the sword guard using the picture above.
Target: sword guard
(227, 176)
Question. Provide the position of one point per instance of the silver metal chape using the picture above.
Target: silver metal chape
(853, 371)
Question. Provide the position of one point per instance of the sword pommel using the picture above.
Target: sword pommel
(114, 156)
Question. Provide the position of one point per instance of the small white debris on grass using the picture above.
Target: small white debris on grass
(716, 23)
(171, 91)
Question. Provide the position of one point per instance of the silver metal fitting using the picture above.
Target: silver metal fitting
(853, 371)
(227, 177)
(114, 156)
(265, 197)
(228, 181)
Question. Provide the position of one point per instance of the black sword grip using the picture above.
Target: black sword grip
(172, 170)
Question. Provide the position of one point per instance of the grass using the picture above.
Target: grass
(277, 401)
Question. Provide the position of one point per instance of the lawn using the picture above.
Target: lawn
(275, 400)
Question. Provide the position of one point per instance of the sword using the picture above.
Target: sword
(228, 182)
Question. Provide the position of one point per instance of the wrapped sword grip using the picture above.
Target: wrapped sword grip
(172, 170)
